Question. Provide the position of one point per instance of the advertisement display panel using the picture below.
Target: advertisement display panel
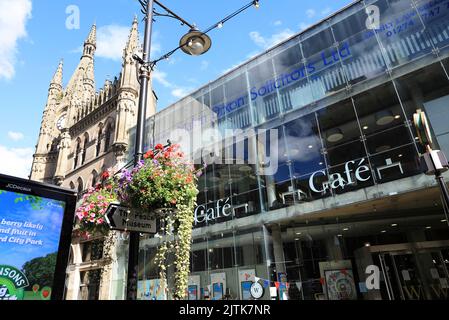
(35, 231)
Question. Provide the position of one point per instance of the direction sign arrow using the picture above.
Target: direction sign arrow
(124, 219)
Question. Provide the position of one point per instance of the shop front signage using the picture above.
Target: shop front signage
(354, 171)
(221, 209)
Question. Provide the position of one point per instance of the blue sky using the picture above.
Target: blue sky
(50, 217)
(34, 37)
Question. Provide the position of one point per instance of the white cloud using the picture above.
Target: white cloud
(277, 23)
(16, 161)
(112, 39)
(180, 92)
(274, 39)
(176, 91)
(326, 11)
(13, 18)
(310, 13)
(15, 136)
(161, 77)
(303, 26)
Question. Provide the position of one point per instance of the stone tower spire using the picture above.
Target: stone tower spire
(55, 89)
(128, 94)
(90, 45)
(46, 140)
(57, 78)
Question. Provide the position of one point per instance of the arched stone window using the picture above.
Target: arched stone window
(99, 137)
(72, 185)
(86, 142)
(94, 178)
(108, 137)
(80, 186)
(77, 152)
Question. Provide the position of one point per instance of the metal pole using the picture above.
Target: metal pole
(133, 258)
(443, 188)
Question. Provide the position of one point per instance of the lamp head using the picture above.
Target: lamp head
(195, 42)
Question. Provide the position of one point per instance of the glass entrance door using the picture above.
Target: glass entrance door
(414, 276)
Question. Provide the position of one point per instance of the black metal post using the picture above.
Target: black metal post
(443, 188)
(133, 259)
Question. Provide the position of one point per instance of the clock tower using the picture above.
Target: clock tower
(84, 131)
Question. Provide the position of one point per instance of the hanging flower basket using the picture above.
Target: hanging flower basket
(163, 184)
(91, 214)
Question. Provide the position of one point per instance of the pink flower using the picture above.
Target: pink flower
(100, 221)
(92, 215)
(100, 197)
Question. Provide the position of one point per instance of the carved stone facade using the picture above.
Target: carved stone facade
(84, 132)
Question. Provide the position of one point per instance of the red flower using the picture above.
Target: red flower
(159, 147)
(167, 155)
(105, 175)
(109, 187)
(149, 154)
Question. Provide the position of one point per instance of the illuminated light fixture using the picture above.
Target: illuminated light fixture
(428, 227)
(340, 235)
(367, 244)
(220, 25)
(345, 229)
(443, 220)
(400, 156)
(195, 42)
(397, 116)
(365, 127)
(394, 224)
(383, 231)
(384, 117)
(334, 135)
(416, 138)
(310, 146)
(256, 4)
(321, 163)
(298, 233)
(297, 239)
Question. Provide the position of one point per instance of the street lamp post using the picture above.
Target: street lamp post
(193, 43)
(144, 76)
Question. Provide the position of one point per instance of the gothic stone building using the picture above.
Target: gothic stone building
(83, 133)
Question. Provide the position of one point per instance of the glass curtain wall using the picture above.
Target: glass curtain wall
(338, 103)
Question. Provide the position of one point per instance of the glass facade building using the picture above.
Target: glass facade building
(313, 181)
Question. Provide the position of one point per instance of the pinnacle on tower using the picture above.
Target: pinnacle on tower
(92, 38)
(90, 45)
(133, 39)
(57, 78)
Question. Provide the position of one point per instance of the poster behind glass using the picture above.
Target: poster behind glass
(30, 231)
